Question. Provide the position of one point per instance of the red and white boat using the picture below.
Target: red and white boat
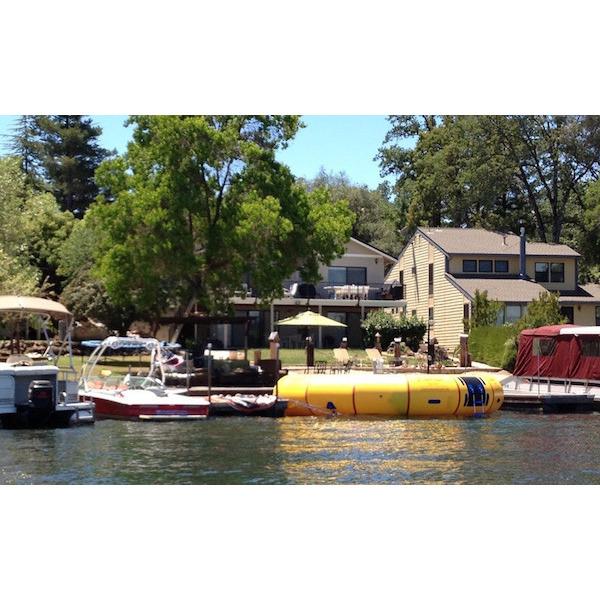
(136, 396)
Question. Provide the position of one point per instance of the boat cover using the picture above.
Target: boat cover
(559, 351)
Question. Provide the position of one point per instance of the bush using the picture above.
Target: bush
(488, 344)
(485, 311)
(545, 310)
(391, 326)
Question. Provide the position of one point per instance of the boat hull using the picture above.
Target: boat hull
(114, 408)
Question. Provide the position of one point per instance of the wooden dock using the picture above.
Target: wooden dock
(516, 400)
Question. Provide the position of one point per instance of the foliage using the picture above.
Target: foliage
(487, 344)
(198, 202)
(60, 153)
(496, 172)
(376, 218)
(544, 310)
(390, 326)
(17, 275)
(485, 311)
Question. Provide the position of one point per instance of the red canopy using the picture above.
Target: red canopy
(555, 351)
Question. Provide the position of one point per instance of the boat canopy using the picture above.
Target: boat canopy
(22, 305)
(559, 351)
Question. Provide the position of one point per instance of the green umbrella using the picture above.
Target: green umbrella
(310, 319)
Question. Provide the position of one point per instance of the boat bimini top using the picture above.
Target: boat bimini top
(113, 342)
(16, 308)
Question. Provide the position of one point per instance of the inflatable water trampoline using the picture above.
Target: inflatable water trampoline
(398, 395)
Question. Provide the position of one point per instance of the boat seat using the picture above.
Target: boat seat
(19, 360)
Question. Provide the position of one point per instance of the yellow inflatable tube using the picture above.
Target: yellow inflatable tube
(398, 395)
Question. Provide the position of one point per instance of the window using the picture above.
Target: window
(337, 275)
(401, 278)
(513, 313)
(413, 312)
(485, 266)
(501, 266)
(597, 315)
(469, 266)
(347, 275)
(557, 272)
(590, 347)
(356, 275)
(431, 279)
(567, 311)
(543, 346)
(430, 315)
(541, 272)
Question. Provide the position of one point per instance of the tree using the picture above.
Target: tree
(494, 171)
(198, 202)
(24, 143)
(544, 310)
(17, 275)
(83, 293)
(376, 218)
(61, 153)
(485, 311)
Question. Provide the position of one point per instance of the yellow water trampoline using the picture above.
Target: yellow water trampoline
(397, 395)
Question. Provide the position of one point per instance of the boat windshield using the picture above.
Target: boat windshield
(115, 383)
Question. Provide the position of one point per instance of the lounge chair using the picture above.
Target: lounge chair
(343, 360)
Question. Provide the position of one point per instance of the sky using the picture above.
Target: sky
(335, 143)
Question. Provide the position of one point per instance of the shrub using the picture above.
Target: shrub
(390, 326)
(545, 310)
(488, 344)
(485, 311)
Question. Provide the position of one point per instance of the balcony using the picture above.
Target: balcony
(333, 291)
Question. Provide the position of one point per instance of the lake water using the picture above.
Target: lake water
(503, 449)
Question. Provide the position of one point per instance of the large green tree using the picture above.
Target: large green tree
(199, 202)
(376, 219)
(60, 153)
(494, 171)
(19, 273)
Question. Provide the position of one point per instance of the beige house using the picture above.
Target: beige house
(440, 269)
(349, 288)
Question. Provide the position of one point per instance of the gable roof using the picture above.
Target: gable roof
(374, 249)
(458, 240)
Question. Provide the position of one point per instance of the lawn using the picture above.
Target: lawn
(288, 356)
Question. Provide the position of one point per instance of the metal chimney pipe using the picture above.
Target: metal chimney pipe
(522, 266)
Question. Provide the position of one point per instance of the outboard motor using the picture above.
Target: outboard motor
(41, 396)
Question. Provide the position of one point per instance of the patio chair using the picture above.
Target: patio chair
(320, 367)
(343, 360)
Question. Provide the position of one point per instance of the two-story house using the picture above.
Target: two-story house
(349, 288)
(440, 269)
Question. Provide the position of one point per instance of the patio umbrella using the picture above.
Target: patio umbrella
(310, 319)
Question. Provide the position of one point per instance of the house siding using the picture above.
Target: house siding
(447, 301)
(448, 305)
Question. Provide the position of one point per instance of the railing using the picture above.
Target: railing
(332, 291)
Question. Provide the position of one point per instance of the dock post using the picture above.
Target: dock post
(187, 370)
(277, 372)
(209, 367)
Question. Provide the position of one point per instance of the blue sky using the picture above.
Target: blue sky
(336, 143)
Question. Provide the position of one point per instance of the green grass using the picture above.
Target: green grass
(486, 344)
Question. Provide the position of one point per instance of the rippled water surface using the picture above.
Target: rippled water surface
(506, 448)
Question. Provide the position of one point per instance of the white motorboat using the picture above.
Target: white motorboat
(143, 397)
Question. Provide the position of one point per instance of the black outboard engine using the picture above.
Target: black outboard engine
(41, 397)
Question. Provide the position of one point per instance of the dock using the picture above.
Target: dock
(548, 402)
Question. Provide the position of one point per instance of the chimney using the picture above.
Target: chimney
(522, 267)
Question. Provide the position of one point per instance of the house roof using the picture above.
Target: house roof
(522, 290)
(385, 255)
(512, 290)
(458, 240)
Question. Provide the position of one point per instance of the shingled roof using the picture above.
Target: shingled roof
(512, 290)
(456, 240)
